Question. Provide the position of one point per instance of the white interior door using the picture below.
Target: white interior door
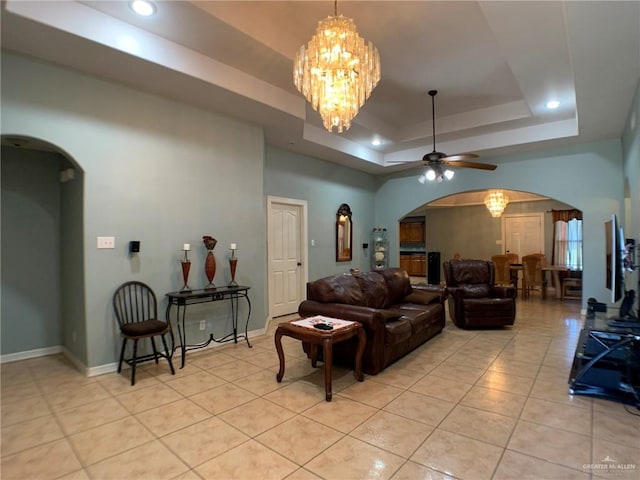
(523, 234)
(286, 254)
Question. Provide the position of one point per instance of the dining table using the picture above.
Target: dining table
(553, 270)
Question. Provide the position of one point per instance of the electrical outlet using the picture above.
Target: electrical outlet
(203, 324)
(106, 242)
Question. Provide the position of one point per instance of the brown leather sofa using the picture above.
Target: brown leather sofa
(474, 299)
(397, 317)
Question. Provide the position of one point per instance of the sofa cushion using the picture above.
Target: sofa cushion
(336, 289)
(421, 297)
(397, 331)
(374, 289)
(419, 320)
(398, 284)
(480, 290)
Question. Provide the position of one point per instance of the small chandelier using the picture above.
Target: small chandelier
(496, 201)
(336, 71)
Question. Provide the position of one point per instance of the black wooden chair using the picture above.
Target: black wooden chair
(136, 310)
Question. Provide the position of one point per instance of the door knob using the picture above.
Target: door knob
(299, 264)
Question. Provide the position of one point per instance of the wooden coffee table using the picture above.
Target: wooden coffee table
(326, 339)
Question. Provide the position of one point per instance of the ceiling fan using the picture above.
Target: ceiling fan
(437, 160)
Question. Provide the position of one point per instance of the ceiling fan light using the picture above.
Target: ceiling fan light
(422, 179)
(448, 174)
(496, 201)
(431, 175)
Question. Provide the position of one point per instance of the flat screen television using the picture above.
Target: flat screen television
(615, 251)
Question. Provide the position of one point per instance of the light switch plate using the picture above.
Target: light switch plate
(106, 242)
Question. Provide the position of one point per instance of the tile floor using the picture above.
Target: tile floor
(469, 405)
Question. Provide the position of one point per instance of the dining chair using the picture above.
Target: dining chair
(533, 276)
(514, 258)
(136, 310)
(503, 270)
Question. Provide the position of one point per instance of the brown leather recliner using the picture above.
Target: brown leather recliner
(474, 299)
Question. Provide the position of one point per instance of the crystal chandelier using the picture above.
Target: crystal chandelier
(496, 201)
(336, 71)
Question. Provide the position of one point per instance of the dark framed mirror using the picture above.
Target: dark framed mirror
(344, 234)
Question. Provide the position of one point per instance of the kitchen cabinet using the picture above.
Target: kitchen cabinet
(414, 264)
(405, 263)
(418, 265)
(412, 232)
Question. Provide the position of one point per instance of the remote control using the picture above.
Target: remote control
(323, 326)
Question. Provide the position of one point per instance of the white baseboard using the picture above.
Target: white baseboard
(38, 352)
(100, 369)
(103, 369)
(82, 368)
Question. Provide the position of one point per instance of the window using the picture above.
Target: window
(567, 244)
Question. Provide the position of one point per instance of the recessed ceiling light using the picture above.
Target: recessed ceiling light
(143, 7)
(376, 142)
(553, 104)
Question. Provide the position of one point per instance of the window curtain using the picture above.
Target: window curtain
(567, 238)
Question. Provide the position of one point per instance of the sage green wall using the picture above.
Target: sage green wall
(30, 250)
(587, 176)
(155, 170)
(325, 186)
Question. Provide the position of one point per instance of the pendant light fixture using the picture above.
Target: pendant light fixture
(496, 201)
(336, 71)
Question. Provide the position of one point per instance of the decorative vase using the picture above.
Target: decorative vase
(186, 266)
(210, 260)
(233, 263)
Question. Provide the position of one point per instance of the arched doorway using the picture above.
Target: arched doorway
(42, 251)
(461, 225)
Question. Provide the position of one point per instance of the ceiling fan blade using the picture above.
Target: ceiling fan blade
(410, 162)
(462, 164)
(462, 156)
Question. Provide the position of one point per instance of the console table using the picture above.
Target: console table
(182, 300)
(607, 362)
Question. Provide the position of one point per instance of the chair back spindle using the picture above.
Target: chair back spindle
(134, 302)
